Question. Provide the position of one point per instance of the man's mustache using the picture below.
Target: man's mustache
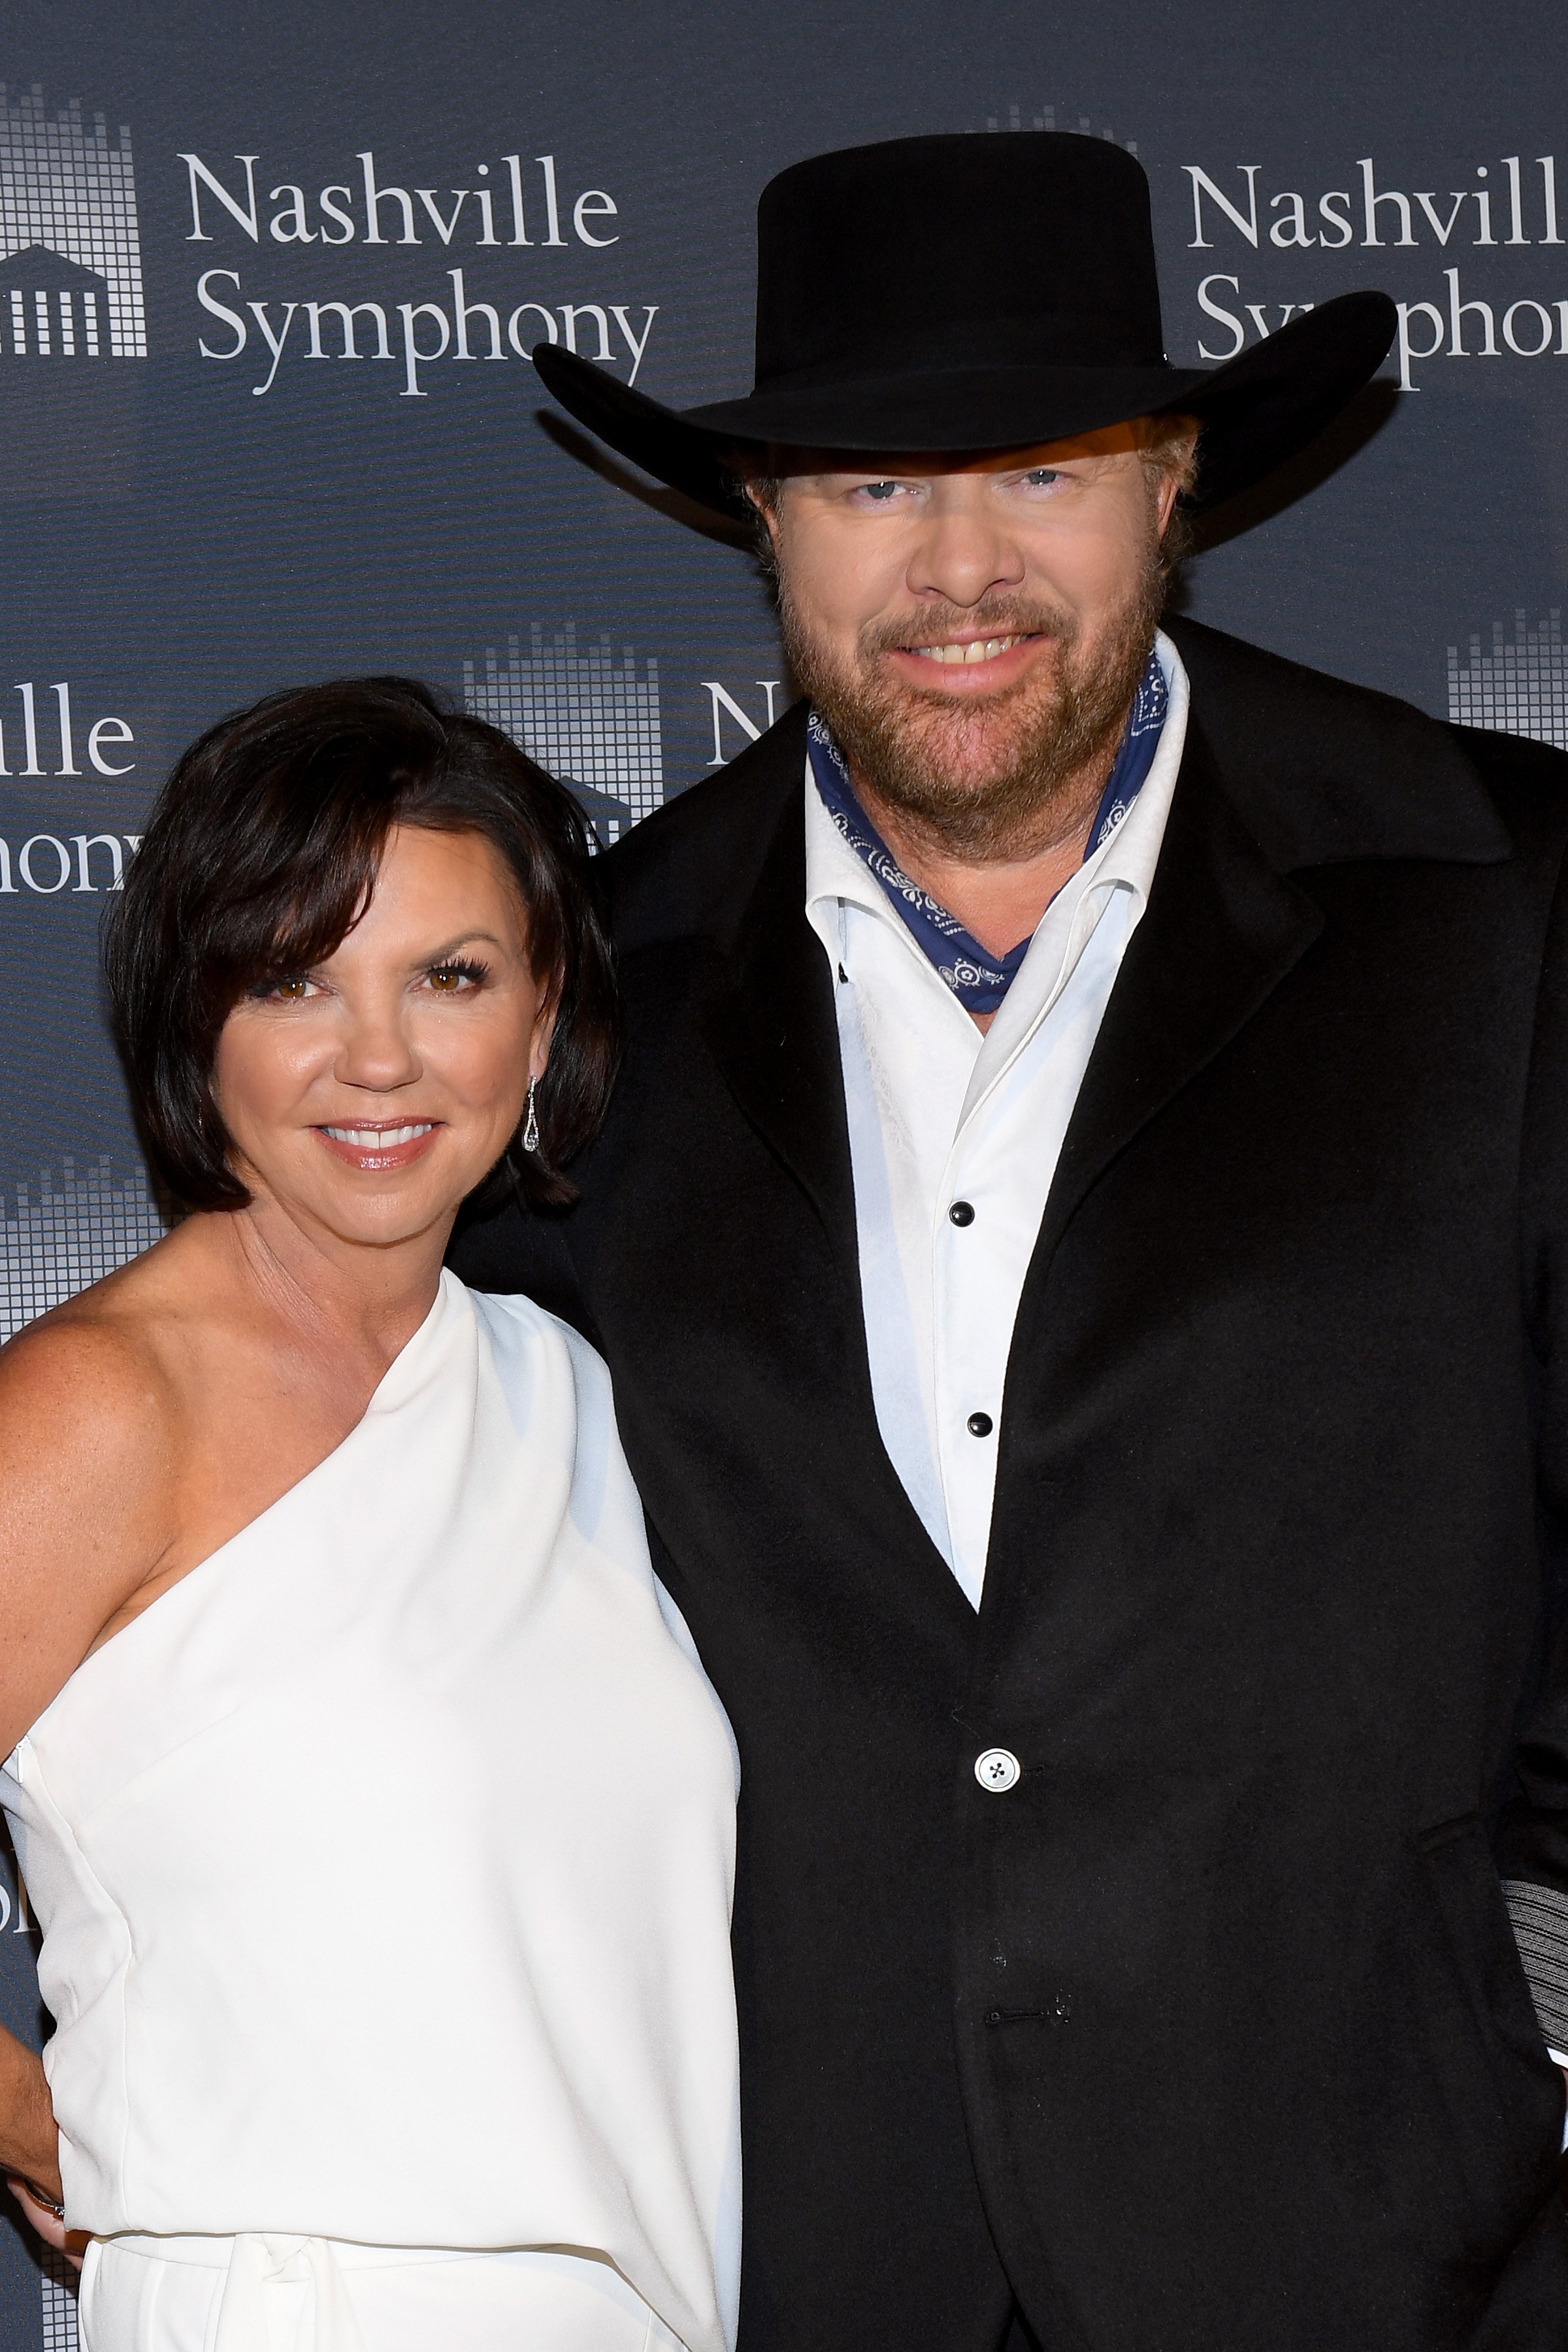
(997, 616)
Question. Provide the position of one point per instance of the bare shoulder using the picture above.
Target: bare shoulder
(92, 1434)
(93, 1380)
(92, 1418)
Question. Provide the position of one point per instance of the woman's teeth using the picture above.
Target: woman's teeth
(982, 649)
(379, 1139)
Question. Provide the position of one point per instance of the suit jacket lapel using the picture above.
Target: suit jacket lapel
(1222, 928)
(774, 1034)
(773, 1031)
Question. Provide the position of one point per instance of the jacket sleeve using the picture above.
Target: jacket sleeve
(512, 1250)
(1533, 1832)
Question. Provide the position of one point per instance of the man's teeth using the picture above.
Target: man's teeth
(379, 1139)
(982, 649)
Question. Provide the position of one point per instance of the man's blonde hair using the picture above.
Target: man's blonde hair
(1168, 446)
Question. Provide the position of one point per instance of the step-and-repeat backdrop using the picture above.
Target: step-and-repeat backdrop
(268, 278)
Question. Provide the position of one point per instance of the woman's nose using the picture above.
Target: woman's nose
(376, 1051)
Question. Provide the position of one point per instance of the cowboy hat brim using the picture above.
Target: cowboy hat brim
(1256, 410)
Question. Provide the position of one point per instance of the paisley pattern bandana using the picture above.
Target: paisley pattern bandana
(978, 980)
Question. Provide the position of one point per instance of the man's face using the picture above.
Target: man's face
(972, 627)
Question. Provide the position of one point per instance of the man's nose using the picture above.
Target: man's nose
(964, 551)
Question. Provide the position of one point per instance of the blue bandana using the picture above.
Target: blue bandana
(978, 980)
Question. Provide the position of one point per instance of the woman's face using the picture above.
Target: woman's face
(366, 1097)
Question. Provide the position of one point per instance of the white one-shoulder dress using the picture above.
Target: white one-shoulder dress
(384, 1867)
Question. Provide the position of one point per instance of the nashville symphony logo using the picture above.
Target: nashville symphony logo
(1485, 281)
(485, 287)
(70, 255)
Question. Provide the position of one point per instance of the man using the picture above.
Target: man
(1080, 1242)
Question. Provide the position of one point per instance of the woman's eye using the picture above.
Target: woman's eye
(292, 989)
(454, 979)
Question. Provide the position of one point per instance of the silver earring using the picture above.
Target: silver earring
(531, 1125)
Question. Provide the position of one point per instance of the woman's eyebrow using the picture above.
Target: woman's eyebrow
(462, 939)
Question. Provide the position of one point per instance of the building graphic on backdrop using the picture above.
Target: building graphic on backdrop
(58, 1235)
(1519, 687)
(1043, 118)
(589, 719)
(58, 2288)
(71, 254)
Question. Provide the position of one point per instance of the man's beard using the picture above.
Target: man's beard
(990, 778)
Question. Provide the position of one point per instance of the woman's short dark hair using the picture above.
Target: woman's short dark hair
(262, 851)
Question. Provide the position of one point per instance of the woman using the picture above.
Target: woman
(376, 1812)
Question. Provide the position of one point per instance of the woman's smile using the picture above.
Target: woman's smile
(373, 1145)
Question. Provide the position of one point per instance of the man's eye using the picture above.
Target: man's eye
(881, 491)
(1042, 477)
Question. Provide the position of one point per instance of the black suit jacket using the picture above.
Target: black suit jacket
(1211, 2032)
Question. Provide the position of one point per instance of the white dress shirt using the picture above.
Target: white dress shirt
(941, 1114)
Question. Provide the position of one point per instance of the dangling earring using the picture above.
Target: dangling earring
(531, 1125)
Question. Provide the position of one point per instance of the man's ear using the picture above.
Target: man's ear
(1170, 450)
(763, 493)
(763, 496)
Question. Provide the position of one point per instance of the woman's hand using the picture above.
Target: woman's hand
(29, 2139)
(30, 2148)
(48, 2221)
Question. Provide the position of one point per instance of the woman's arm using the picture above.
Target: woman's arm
(29, 2144)
(87, 1439)
(30, 2147)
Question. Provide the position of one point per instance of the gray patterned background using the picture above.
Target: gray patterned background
(204, 495)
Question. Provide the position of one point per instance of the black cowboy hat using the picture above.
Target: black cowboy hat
(976, 292)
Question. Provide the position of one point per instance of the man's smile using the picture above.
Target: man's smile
(965, 663)
(972, 649)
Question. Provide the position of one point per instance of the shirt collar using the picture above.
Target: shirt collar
(837, 877)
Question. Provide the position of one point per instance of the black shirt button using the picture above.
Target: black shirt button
(979, 1424)
(962, 1212)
